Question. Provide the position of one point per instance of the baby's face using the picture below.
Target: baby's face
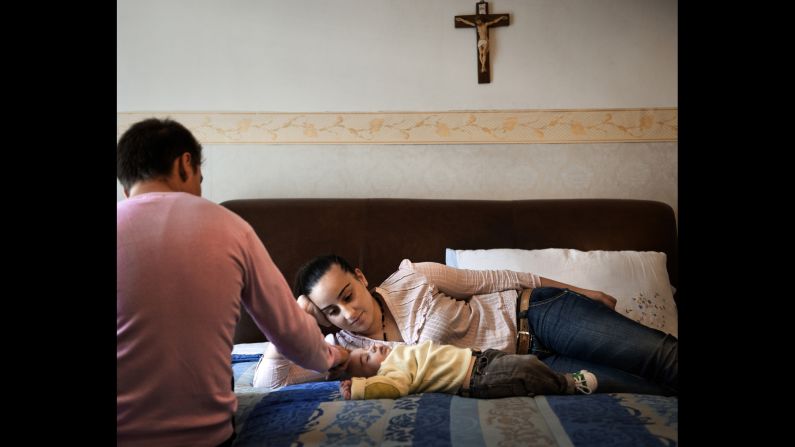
(365, 362)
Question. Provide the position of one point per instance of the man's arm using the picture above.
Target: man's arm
(272, 306)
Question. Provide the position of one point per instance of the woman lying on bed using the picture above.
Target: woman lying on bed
(570, 328)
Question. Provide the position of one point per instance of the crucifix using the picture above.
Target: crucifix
(482, 21)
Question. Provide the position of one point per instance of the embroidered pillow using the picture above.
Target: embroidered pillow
(638, 280)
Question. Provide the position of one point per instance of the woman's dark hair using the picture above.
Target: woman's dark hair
(147, 150)
(311, 272)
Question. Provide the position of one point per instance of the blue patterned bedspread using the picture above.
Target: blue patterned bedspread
(315, 414)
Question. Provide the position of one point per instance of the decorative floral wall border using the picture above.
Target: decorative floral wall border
(455, 127)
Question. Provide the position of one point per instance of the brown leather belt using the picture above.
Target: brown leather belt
(466, 392)
(523, 335)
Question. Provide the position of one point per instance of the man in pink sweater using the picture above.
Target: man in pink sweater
(184, 266)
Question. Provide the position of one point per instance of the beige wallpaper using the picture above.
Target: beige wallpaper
(470, 127)
(637, 170)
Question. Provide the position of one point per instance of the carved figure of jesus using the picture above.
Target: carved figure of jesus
(483, 36)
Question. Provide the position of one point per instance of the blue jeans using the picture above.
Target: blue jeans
(573, 332)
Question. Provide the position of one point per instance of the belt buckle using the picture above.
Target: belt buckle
(523, 339)
(467, 392)
(523, 335)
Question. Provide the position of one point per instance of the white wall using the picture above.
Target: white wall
(387, 55)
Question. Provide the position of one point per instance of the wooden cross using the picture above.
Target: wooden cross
(482, 21)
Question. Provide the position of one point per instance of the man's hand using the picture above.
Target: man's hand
(309, 307)
(345, 389)
(344, 355)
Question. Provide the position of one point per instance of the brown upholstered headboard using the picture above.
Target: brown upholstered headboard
(376, 234)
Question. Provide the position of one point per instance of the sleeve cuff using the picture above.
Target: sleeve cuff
(357, 388)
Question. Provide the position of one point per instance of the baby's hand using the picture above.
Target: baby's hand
(345, 389)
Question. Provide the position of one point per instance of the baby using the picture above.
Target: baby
(384, 373)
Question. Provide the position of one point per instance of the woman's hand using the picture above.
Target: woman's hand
(602, 297)
(309, 307)
(595, 295)
(345, 389)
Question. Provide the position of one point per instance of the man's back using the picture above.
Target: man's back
(184, 266)
(180, 272)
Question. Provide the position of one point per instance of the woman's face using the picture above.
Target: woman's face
(345, 301)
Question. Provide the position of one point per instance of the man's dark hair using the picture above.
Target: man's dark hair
(147, 150)
(311, 272)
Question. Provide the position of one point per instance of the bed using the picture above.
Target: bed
(376, 234)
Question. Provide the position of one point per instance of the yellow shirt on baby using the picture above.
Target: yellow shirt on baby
(411, 369)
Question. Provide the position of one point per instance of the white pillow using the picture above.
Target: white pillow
(249, 348)
(638, 280)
